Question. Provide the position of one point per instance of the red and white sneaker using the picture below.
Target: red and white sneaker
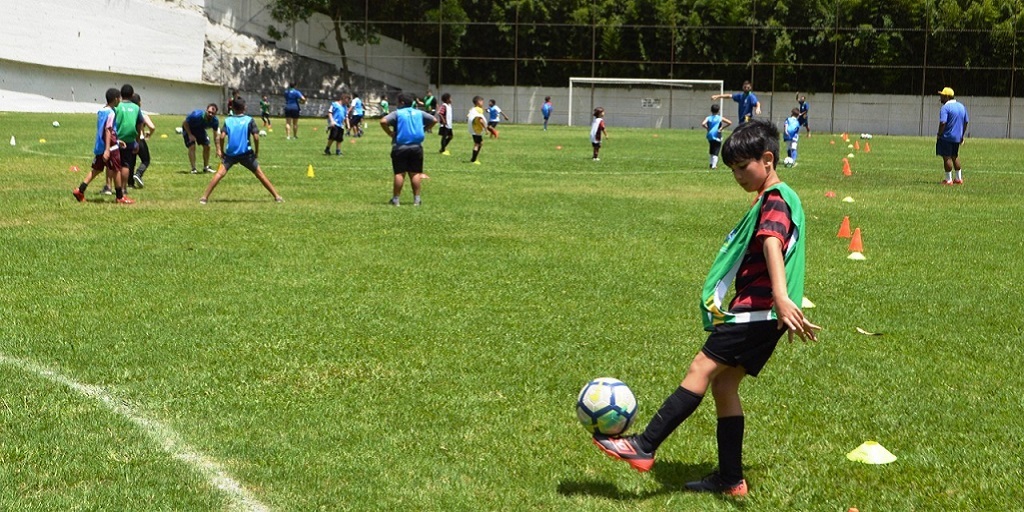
(78, 195)
(126, 200)
(625, 449)
(947, 182)
(714, 483)
(958, 182)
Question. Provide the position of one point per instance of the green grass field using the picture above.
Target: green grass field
(335, 353)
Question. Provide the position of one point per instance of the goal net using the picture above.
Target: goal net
(641, 102)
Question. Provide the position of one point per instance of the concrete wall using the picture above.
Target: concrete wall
(89, 87)
(854, 113)
(390, 61)
(167, 37)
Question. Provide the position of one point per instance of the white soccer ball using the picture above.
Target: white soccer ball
(178, 130)
(606, 406)
(263, 133)
(788, 161)
(865, 136)
(56, 124)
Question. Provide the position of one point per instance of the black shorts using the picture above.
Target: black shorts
(478, 139)
(291, 113)
(802, 121)
(714, 147)
(946, 148)
(408, 158)
(596, 145)
(248, 160)
(444, 131)
(201, 138)
(355, 121)
(336, 133)
(128, 155)
(492, 124)
(748, 345)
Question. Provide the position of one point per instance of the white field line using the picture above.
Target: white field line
(168, 439)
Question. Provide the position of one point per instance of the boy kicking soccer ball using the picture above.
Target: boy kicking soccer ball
(764, 253)
(791, 136)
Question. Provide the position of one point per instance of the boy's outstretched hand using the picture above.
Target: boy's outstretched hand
(794, 320)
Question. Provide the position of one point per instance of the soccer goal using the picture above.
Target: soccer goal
(642, 102)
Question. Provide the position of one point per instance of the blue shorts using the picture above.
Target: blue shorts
(201, 138)
(248, 160)
(947, 148)
(802, 121)
(291, 113)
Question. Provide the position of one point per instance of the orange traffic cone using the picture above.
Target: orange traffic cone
(846, 137)
(832, 142)
(846, 167)
(856, 245)
(856, 145)
(844, 228)
(867, 147)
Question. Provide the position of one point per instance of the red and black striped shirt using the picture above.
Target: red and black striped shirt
(753, 284)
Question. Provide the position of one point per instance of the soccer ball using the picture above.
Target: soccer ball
(56, 124)
(606, 406)
(263, 133)
(788, 161)
(178, 130)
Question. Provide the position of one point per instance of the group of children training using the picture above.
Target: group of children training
(123, 129)
(715, 123)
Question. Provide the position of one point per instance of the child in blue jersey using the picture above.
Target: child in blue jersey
(336, 125)
(106, 152)
(545, 110)
(791, 133)
(292, 99)
(805, 109)
(233, 143)
(494, 115)
(406, 127)
(714, 124)
(355, 116)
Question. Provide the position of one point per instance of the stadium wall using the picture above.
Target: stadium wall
(88, 88)
(390, 61)
(876, 114)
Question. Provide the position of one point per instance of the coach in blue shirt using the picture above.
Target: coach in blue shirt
(952, 127)
(748, 104)
(406, 127)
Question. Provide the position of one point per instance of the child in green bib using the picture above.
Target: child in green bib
(764, 256)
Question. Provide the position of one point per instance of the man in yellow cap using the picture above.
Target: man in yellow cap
(952, 128)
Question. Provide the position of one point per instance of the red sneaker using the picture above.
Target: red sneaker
(958, 182)
(713, 483)
(126, 200)
(625, 449)
(947, 182)
(78, 195)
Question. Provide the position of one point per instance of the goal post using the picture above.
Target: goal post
(643, 102)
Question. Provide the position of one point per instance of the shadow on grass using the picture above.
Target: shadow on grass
(672, 476)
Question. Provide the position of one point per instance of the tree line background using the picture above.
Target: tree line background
(846, 46)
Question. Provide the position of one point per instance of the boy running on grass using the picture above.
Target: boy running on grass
(106, 153)
(477, 124)
(714, 124)
(597, 131)
(127, 122)
(406, 127)
(792, 133)
(764, 253)
(495, 114)
(233, 143)
(444, 118)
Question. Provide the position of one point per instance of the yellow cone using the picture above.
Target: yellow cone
(163, 135)
(847, 199)
(871, 453)
(806, 303)
(309, 172)
(42, 141)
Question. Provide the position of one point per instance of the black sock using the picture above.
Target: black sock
(119, 191)
(730, 448)
(82, 187)
(677, 407)
(475, 153)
